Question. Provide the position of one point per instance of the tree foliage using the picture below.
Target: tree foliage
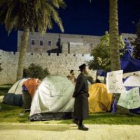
(29, 15)
(35, 14)
(35, 71)
(101, 54)
(136, 50)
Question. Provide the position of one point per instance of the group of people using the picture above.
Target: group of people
(81, 96)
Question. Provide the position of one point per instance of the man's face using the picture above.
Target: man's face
(86, 71)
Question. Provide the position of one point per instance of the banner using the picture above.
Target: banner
(114, 82)
(130, 99)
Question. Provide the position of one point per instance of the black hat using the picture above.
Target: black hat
(82, 67)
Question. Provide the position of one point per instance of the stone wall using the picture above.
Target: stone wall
(57, 65)
(76, 48)
(55, 39)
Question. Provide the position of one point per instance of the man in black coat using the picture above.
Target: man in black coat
(81, 98)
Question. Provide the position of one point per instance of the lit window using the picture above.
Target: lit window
(49, 43)
(41, 42)
(32, 42)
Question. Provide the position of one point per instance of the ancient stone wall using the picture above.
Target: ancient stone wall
(57, 65)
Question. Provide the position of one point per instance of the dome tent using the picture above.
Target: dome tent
(132, 81)
(99, 99)
(14, 95)
(53, 99)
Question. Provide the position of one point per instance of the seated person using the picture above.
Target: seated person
(71, 76)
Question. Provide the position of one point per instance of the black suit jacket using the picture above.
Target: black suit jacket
(81, 86)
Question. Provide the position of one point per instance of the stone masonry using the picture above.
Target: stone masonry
(57, 65)
(76, 50)
(52, 42)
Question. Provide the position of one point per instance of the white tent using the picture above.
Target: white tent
(17, 87)
(133, 81)
(53, 95)
(14, 95)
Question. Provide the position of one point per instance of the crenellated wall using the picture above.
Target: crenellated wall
(57, 65)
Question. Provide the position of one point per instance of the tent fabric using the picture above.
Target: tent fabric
(53, 95)
(14, 95)
(99, 99)
(17, 87)
(13, 99)
(132, 82)
(128, 63)
(31, 85)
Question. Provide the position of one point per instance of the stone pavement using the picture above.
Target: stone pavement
(68, 132)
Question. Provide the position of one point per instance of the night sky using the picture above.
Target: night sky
(82, 17)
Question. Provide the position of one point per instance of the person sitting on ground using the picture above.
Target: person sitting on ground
(71, 76)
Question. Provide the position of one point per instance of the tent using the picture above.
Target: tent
(31, 85)
(29, 88)
(128, 63)
(14, 95)
(99, 99)
(132, 82)
(53, 99)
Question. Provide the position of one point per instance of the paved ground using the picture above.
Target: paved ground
(68, 132)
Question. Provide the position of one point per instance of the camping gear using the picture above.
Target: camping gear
(29, 88)
(31, 85)
(99, 99)
(53, 99)
(14, 95)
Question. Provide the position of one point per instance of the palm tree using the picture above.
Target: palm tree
(114, 35)
(29, 15)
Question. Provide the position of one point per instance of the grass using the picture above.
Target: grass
(11, 114)
(108, 118)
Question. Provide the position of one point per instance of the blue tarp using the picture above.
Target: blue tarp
(128, 63)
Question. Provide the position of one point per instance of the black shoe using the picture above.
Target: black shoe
(75, 121)
(82, 127)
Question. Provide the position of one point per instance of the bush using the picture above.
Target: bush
(35, 71)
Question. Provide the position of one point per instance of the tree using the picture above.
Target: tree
(114, 35)
(0, 66)
(101, 54)
(29, 15)
(136, 50)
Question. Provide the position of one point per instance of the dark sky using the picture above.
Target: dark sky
(82, 17)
